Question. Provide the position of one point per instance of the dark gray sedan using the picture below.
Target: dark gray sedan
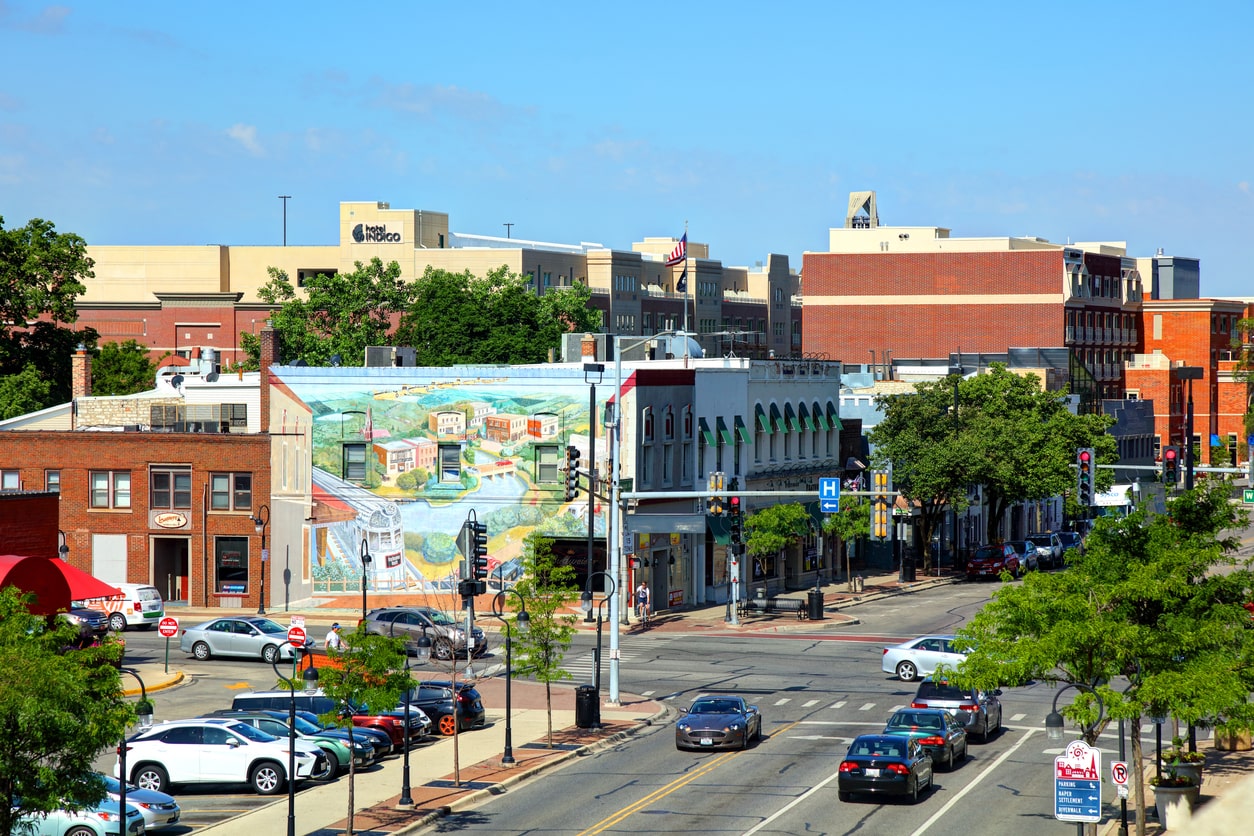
(252, 637)
(718, 721)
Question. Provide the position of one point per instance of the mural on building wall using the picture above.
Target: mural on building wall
(398, 468)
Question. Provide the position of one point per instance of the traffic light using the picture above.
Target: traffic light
(734, 517)
(572, 473)
(715, 503)
(1084, 476)
(882, 504)
(478, 556)
(1171, 465)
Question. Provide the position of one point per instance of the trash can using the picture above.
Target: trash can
(587, 707)
(908, 569)
(816, 605)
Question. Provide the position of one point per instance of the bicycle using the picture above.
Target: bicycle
(642, 614)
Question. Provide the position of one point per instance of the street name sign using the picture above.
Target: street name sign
(1078, 783)
(829, 495)
(1247, 496)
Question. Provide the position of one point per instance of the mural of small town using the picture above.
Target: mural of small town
(401, 468)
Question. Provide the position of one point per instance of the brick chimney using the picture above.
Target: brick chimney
(588, 348)
(269, 357)
(80, 373)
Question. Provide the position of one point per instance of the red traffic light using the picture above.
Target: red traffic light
(1085, 456)
(735, 503)
(1170, 453)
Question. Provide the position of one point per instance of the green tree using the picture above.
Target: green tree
(57, 712)
(337, 315)
(852, 521)
(122, 369)
(1150, 618)
(549, 588)
(369, 673)
(774, 528)
(25, 392)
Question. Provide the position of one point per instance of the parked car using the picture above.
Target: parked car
(381, 741)
(935, 729)
(254, 637)
(92, 624)
(158, 809)
(884, 764)
(436, 699)
(1070, 540)
(978, 711)
(920, 657)
(991, 561)
(1025, 550)
(138, 605)
(214, 751)
(336, 750)
(447, 634)
(718, 721)
(1048, 549)
(101, 820)
(392, 723)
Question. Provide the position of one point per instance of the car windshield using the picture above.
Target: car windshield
(987, 553)
(942, 691)
(714, 707)
(440, 618)
(305, 727)
(255, 735)
(1069, 539)
(265, 625)
(914, 720)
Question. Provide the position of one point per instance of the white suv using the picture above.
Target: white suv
(215, 751)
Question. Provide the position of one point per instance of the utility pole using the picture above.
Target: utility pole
(285, 198)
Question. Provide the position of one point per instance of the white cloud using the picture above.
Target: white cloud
(246, 135)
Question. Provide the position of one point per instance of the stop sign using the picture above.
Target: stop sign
(168, 626)
(296, 635)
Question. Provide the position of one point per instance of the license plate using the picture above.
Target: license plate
(872, 773)
(705, 741)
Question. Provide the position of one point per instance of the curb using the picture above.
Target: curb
(175, 679)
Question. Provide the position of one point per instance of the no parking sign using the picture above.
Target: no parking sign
(1119, 774)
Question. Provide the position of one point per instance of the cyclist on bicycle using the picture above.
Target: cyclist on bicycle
(642, 602)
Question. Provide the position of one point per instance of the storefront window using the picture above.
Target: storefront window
(230, 563)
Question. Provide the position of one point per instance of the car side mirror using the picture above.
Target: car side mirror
(233, 743)
(996, 692)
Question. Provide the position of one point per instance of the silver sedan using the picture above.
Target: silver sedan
(247, 637)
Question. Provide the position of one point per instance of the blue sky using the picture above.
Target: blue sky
(181, 123)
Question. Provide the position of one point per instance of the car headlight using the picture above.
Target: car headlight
(732, 727)
(682, 727)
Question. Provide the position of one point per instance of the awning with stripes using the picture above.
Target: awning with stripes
(705, 432)
(759, 418)
(819, 418)
(777, 420)
(790, 416)
(833, 417)
(804, 413)
(723, 433)
(741, 430)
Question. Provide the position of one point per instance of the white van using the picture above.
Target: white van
(139, 605)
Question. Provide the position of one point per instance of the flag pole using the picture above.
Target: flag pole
(694, 313)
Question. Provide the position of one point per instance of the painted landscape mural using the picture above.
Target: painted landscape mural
(400, 466)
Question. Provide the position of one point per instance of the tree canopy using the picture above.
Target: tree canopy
(547, 588)
(52, 733)
(122, 369)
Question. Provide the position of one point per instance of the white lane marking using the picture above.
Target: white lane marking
(839, 723)
(809, 703)
(971, 786)
(647, 693)
(1014, 718)
(783, 701)
(792, 804)
(897, 708)
(840, 704)
(867, 707)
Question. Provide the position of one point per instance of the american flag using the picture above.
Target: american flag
(679, 253)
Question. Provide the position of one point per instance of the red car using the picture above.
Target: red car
(991, 561)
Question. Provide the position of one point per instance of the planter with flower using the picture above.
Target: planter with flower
(1181, 762)
(1233, 736)
(1172, 789)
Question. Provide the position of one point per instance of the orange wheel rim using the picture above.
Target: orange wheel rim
(446, 724)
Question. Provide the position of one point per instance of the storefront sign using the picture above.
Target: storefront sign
(168, 519)
(676, 598)
(377, 234)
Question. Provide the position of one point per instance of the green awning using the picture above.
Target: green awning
(720, 529)
(761, 420)
(705, 432)
(777, 420)
(723, 432)
(833, 418)
(806, 421)
(741, 430)
(819, 418)
(791, 417)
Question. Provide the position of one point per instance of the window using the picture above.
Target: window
(230, 491)
(668, 424)
(547, 461)
(450, 463)
(10, 480)
(230, 562)
(170, 488)
(304, 274)
(668, 471)
(354, 461)
(52, 481)
(648, 423)
(686, 465)
(110, 488)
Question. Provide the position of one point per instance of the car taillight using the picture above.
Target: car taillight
(847, 766)
(931, 741)
(898, 768)
(968, 708)
(917, 704)
(885, 653)
(118, 750)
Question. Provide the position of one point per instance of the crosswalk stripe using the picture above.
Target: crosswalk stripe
(1017, 717)
(783, 701)
(897, 708)
(867, 707)
(809, 703)
(642, 693)
(840, 704)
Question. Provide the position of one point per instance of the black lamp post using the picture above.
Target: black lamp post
(262, 521)
(422, 651)
(1054, 721)
(63, 548)
(143, 713)
(523, 623)
(586, 601)
(592, 374)
(956, 372)
(365, 565)
(310, 677)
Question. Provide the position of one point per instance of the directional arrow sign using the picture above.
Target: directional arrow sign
(829, 495)
(1077, 783)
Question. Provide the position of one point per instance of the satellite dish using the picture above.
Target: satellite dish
(176, 381)
(335, 360)
(211, 377)
(299, 362)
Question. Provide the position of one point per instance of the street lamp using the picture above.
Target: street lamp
(143, 714)
(589, 371)
(365, 564)
(586, 601)
(63, 548)
(422, 651)
(955, 371)
(310, 678)
(522, 622)
(1054, 721)
(1189, 373)
(262, 521)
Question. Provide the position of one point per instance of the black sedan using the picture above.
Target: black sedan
(884, 764)
(436, 700)
(935, 729)
(719, 721)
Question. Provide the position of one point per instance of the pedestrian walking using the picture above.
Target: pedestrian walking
(334, 640)
(644, 601)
